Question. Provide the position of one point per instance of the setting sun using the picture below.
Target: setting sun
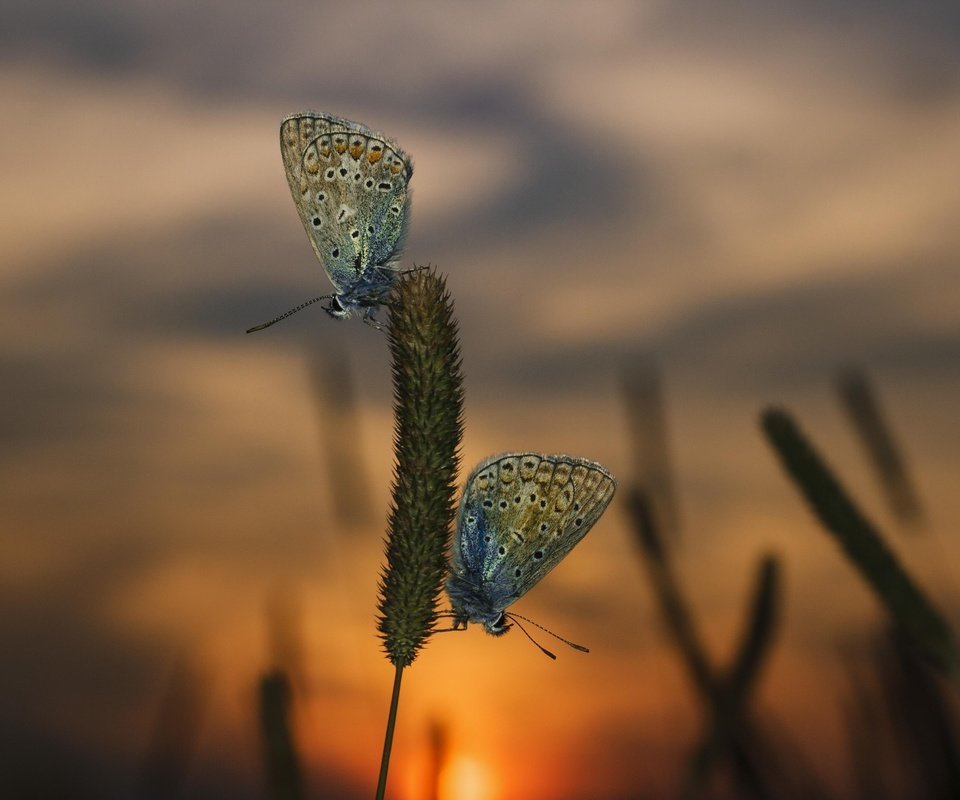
(465, 778)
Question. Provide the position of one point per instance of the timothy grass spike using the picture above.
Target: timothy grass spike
(428, 415)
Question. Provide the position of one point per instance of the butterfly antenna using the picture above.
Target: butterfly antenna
(542, 648)
(574, 645)
(289, 313)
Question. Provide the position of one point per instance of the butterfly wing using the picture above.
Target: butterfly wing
(520, 514)
(350, 186)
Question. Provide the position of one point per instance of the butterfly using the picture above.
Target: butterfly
(350, 186)
(519, 515)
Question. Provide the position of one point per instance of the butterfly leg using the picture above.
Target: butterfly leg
(459, 623)
(369, 317)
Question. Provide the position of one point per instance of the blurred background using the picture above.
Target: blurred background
(656, 219)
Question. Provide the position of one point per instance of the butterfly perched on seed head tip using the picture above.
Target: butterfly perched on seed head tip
(350, 185)
(520, 514)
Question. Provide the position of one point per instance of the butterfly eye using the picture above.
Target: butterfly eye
(471, 520)
(335, 252)
(543, 527)
(578, 521)
(516, 499)
(502, 550)
(576, 506)
(538, 554)
(533, 498)
(488, 503)
(503, 504)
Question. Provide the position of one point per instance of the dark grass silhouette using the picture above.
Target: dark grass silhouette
(861, 402)
(281, 759)
(861, 543)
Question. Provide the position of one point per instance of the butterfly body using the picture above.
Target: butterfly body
(350, 185)
(520, 514)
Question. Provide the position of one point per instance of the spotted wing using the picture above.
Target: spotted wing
(520, 514)
(351, 189)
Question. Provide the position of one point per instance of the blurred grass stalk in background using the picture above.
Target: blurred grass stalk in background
(339, 430)
(862, 405)
(730, 733)
(860, 541)
(284, 773)
(646, 417)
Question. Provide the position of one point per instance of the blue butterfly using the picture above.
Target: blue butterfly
(520, 514)
(350, 185)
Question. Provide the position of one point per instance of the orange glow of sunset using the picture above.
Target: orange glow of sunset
(654, 222)
(466, 778)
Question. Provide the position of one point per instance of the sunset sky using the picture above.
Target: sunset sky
(744, 201)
